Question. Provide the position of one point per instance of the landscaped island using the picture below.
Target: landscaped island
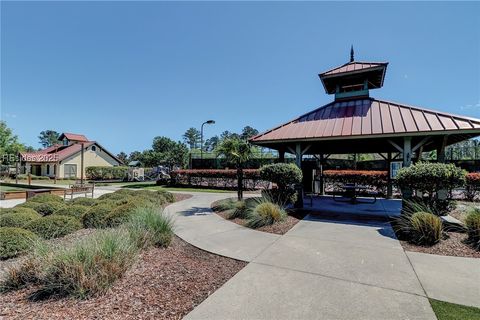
(115, 256)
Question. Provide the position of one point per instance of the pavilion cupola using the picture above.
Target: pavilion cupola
(353, 79)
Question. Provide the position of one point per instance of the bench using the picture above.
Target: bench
(79, 189)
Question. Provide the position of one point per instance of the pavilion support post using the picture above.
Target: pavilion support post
(281, 156)
(407, 161)
(442, 194)
(389, 177)
(322, 183)
(299, 187)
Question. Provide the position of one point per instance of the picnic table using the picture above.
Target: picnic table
(351, 192)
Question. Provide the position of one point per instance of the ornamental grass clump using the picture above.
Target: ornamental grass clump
(150, 226)
(87, 268)
(472, 223)
(426, 228)
(123, 213)
(265, 213)
(14, 241)
(54, 226)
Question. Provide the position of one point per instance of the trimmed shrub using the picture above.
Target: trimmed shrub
(472, 186)
(54, 226)
(220, 178)
(30, 205)
(87, 268)
(46, 197)
(14, 241)
(472, 223)
(18, 219)
(123, 213)
(117, 195)
(106, 173)
(373, 178)
(17, 209)
(428, 178)
(265, 213)
(150, 226)
(95, 216)
(73, 210)
(47, 208)
(81, 201)
(284, 175)
(426, 228)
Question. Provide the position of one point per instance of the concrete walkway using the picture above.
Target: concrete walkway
(197, 224)
(319, 270)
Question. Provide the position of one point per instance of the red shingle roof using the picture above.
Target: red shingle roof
(54, 153)
(367, 117)
(73, 137)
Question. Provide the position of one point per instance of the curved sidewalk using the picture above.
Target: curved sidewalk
(198, 225)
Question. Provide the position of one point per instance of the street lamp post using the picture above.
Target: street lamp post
(201, 136)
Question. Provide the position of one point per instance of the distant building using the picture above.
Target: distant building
(64, 160)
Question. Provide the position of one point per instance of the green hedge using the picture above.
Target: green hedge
(106, 173)
(284, 175)
(429, 178)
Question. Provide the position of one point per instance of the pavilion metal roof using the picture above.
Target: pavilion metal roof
(354, 66)
(367, 118)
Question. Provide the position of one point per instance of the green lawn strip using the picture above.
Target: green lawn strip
(451, 311)
(153, 186)
(8, 188)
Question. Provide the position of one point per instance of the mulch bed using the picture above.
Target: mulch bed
(163, 284)
(454, 244)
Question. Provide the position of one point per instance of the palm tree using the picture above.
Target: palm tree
(237, 152)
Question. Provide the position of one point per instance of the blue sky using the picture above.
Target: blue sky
(122, 72)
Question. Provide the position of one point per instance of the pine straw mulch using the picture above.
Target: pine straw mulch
(453, 244)
(163, 284)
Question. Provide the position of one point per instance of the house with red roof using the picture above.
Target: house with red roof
(64, 160)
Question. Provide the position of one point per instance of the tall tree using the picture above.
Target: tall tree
(211, 143)
(229, 135)
(123, 157)
(48, 138)
(237, 152)
(192, 137)
(248, 132)
(9, 145)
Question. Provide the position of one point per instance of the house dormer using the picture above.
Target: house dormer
(72, 138)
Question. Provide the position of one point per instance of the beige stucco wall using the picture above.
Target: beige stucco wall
(91, 158)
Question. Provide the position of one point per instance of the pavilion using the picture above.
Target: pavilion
(357, 123)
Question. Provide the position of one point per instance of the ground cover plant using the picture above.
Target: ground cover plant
(258, 213)
(90, 266)
(14, 241)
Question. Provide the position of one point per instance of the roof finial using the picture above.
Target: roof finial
(351, 53)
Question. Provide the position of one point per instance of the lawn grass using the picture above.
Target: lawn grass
(9, 188)
(451, 311)
(153, 186)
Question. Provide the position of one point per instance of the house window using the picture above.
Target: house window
(48, 169)
(70, 171)
(94, 148)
